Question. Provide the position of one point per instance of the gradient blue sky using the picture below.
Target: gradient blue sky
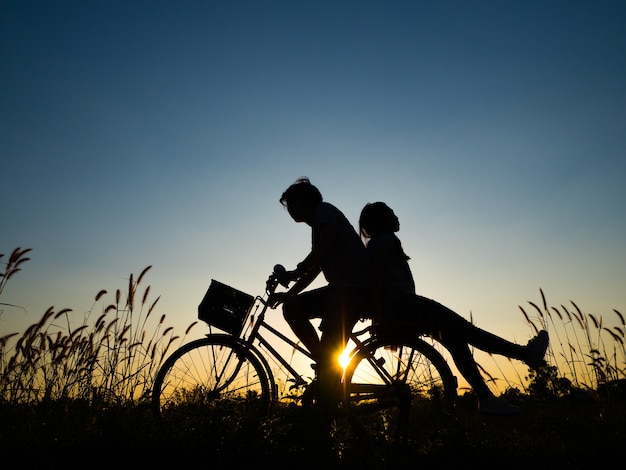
(162, 133)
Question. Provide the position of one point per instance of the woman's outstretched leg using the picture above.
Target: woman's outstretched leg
(449, 327)
(456, 334)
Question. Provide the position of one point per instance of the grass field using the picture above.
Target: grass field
(75, 396)
(572, 432)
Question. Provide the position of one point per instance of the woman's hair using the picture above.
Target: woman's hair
(302, 189)
(377, 218)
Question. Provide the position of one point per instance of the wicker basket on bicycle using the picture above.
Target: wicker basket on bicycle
(225, 307)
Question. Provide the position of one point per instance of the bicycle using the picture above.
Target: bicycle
(396, 387)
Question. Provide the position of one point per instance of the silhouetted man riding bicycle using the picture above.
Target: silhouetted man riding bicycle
(338, 252)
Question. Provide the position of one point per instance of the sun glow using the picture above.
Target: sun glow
(344, 358)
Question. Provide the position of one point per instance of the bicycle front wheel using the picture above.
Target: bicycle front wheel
(215, 379)
(398, 391)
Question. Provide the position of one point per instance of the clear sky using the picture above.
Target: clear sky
(136, 133)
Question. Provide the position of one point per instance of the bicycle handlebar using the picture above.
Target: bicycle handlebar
(279, 272)
(277, 277)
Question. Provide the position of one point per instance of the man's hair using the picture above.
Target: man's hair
(302, 189)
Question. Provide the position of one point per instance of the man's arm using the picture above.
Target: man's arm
(310, 267)
(326, 240)
(304, 281)
(301, 283)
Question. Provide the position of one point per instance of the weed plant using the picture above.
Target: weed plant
(110, 357)
(587, 353)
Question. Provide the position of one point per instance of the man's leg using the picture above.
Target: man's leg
(344, 308)
(298, 312)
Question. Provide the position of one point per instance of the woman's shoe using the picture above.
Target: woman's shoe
(536, 350)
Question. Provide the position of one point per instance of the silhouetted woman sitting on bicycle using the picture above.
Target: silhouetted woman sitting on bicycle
(394, 300)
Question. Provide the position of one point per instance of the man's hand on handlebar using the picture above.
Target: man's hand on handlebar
(285, 277)
(277, 298)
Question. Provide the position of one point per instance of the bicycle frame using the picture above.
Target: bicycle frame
(254, 339)
(256, 336)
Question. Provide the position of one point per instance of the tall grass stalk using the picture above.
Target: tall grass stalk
(585, 349)
(111, 356)
(12, 267)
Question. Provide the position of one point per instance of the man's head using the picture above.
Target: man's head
(300, 199)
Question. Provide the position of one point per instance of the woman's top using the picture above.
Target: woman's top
(397, 278)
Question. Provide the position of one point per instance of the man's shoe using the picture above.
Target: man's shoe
(497, 406)
(536, 350)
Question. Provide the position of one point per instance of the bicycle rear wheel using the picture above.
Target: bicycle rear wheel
(214, 379)
(398, 391)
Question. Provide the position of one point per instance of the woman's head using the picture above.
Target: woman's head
(377, 217)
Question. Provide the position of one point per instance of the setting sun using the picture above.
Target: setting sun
(344, 358)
